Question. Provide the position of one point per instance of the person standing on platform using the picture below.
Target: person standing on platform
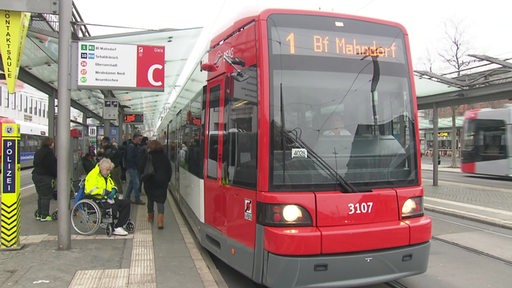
(122, 148)
(142, 155)
(88, 162)
(43, 176)
(156, 185)
(111, 152)
(133, 162)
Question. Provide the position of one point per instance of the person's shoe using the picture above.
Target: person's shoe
(119, 231)
(46, 218)
(38, 216)
(160, 220)
(139, 202)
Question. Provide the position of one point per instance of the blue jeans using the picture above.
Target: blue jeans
(133, 183)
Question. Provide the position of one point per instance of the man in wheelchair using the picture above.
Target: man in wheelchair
(99, 185)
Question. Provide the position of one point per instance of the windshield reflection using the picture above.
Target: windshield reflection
(333, 115)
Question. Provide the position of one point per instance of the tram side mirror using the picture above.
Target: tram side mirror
(237, 61)
(208, 67)
(240, 76)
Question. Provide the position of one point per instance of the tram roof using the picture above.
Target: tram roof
(184, 49)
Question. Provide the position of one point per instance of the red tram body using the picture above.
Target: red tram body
(486, 148)
(271, 193)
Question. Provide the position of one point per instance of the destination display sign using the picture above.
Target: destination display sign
(295, 41)
(121, 66)
(134, 118)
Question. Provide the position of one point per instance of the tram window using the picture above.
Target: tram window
(240, 140)
(213, 148)
(493, 147)
(484, 140)
(192, 135)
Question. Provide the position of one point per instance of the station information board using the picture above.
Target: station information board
(120, 66)
(134, 118)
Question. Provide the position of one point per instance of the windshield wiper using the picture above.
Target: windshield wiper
(344, 184)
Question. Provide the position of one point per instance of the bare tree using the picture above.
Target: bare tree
(429, 61)
(457, 49)
(455, 55)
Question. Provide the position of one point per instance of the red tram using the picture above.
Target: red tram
(486, 148)
(275, 188)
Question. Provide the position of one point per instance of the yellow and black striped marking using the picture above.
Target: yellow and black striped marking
(10, 186)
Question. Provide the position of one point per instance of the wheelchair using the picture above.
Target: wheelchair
(88, 215)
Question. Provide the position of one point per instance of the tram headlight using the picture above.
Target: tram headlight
(413, 207)
(283, 215)
(291, 213)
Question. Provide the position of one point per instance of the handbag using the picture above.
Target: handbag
(149, 170)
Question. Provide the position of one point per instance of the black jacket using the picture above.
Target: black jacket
(111, 152)
(156, 186)
(45, 162)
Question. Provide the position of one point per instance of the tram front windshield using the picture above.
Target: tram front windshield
(341, 105)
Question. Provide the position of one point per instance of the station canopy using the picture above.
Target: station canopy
(183, 47)
(39, 67)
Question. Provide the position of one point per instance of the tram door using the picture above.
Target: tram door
(214, 197)
(230, 181)
(179, 156)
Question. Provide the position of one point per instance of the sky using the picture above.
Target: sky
(483, 29)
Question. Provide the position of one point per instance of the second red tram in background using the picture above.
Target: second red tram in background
(297, 161)
(486, 148)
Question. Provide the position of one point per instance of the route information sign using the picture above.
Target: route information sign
(120, 66)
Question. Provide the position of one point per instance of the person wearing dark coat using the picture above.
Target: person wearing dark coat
(88, 162)
(156, 185)
(43, 176)
(133, 162)
(111, 152)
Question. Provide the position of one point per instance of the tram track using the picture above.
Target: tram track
(474, 250)
(395, 284)
(475, 231)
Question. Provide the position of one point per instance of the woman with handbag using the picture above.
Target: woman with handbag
(155, 183)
